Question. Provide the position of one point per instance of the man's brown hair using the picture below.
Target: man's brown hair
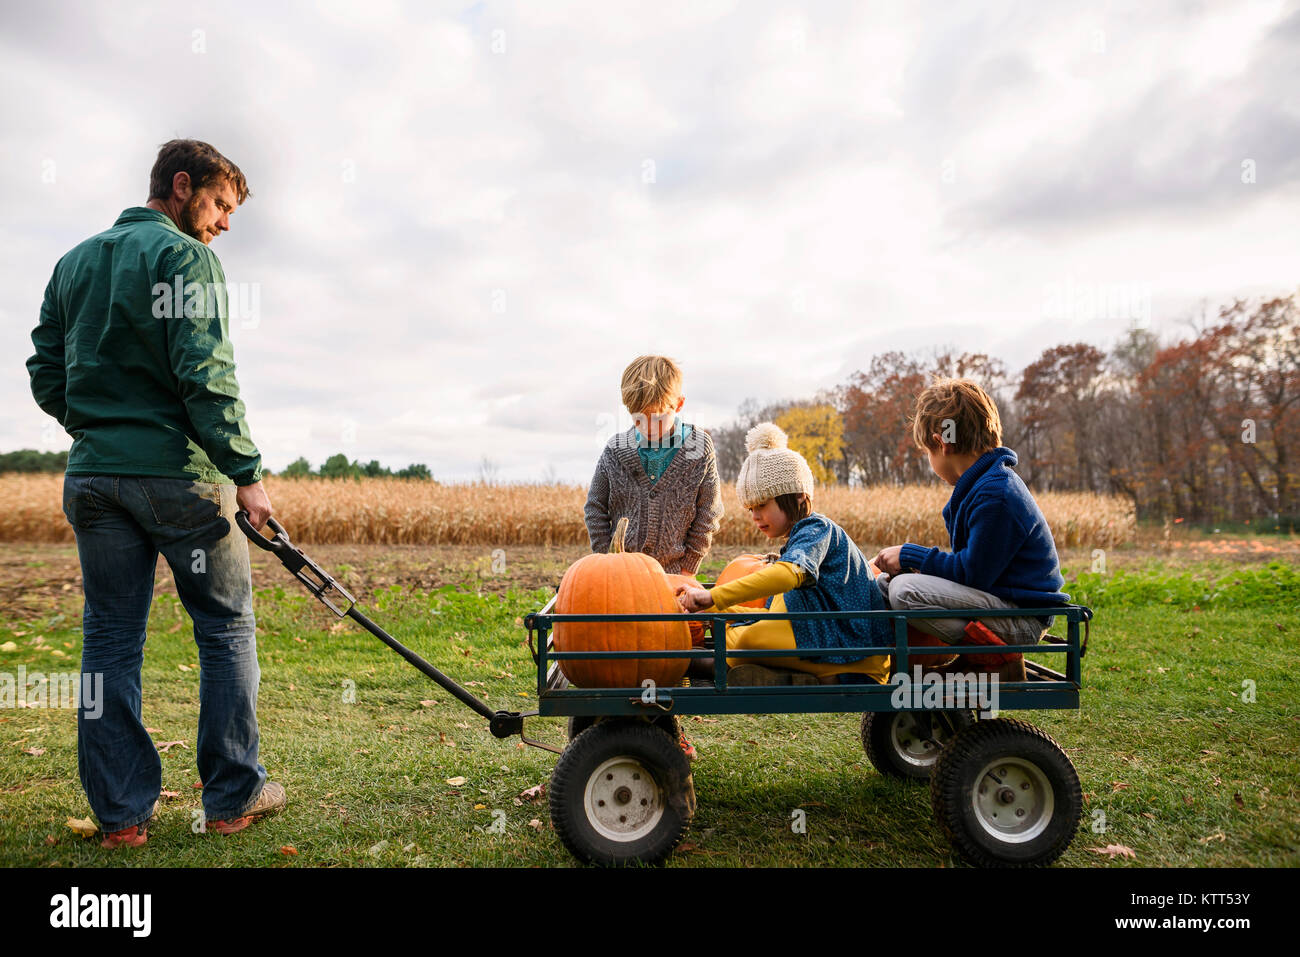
(201, 161)
(961, 413)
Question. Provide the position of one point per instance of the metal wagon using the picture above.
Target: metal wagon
(1001, 790)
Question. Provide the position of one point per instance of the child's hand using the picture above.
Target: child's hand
(693, 599)
(887, 560)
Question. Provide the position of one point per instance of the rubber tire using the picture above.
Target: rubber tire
(659, 754)
(579, 723)
(952, 788)
(878, 742)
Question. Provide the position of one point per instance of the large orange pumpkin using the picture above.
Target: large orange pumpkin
(739, 567)
(620, 583)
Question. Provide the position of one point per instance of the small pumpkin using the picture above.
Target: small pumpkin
(739, 567)
(619, 583)
(696, 626)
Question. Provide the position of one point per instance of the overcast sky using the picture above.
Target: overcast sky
(467, 218)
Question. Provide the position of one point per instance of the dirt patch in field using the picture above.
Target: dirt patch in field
(35, 578)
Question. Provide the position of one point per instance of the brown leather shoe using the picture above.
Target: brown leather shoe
(751, 675)
(271, 800)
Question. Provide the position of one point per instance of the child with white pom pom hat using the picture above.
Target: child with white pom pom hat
(819, 569)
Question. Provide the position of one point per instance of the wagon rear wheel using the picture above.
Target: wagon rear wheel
(622, 793)
(906, 744)
(1006, 795)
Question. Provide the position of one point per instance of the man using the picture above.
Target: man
(133, 357)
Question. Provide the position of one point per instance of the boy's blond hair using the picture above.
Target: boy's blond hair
(651, 384)
(961, 413)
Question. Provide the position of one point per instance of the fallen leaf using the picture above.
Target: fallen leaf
(533, 794)
(197, 785)
(166, 746)
(1148, 814)
(37, 752)
(1216, 836)
(184, 668)
(169, 794)
(456, 782)
(535, 824)
(429, 702)
(1114, 850)
(1236, 799)
(377, 849)
(154, 730)
(480, 807)
(1117, 786)
(83, 826)
(9, 646)
(289, 851)
(51, 839)
(1187, 799)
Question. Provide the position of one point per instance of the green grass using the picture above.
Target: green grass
(1184, 771)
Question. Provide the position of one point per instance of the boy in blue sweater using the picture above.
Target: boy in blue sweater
(1002, 553)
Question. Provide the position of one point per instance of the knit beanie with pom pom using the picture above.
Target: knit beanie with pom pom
(772, 468)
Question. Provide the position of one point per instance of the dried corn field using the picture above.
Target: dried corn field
(396, 511)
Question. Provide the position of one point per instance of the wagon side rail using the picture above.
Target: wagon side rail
(1045, 687)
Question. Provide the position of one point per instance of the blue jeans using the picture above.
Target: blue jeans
(121, 524)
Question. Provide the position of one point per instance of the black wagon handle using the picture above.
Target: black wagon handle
(257, 538)
(502, 724)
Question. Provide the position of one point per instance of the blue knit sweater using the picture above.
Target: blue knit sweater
(1000, 541)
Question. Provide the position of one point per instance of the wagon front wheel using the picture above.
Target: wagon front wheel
(906, 744)
(1006, 795)
(622, 793)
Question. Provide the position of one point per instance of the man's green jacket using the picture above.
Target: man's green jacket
(133, 357)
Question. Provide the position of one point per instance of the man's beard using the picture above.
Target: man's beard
(189, 219)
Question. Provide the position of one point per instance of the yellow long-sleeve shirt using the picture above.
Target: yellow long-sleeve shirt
(775, 579)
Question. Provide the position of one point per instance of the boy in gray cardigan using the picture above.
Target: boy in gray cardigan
(661, 474)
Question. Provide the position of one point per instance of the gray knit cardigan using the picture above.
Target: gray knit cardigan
(672, 520)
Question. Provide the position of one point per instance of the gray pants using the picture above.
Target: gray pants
(914, 591)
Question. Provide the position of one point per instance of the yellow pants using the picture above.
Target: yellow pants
(777, 635)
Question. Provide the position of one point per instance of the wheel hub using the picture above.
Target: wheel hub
(622, 800)
(912, 747)
(1013, 800)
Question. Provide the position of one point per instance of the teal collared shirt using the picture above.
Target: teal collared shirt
(656, 458)
(134, 359)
